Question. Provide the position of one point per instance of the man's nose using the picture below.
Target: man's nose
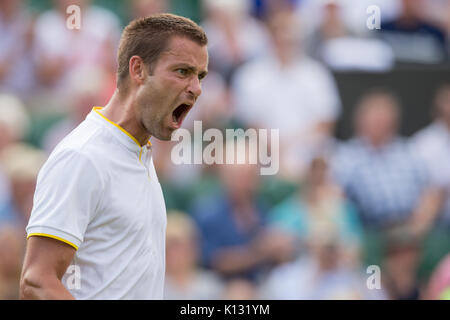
(195, 87)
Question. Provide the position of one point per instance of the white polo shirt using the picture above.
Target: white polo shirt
(99, 193)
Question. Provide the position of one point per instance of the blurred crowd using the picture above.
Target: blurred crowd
(334, 208)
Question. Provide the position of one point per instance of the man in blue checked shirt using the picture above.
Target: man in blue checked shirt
(379, 172)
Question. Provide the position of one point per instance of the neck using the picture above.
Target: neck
(285, 58)
(122, 111)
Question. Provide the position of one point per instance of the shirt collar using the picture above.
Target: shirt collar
(120, 133)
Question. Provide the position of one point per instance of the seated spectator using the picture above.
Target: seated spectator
(21, 163)
(289, 92)
(14, 124)
(143, 8)
(354, 13)
(337, 46)
(14, 120)
(413, 38)
(319, 202)
(184, 279)
(89, 87)
(432, 144)
(60, 50)
(319, 275)
(17, 74)
(377, 169)
(234, 35)
(235, 242)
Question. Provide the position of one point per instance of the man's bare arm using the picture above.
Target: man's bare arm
(46, 261)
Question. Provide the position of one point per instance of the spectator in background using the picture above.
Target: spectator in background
(12, 248)
(319, 202)
(235, 36)
(60, 50)
(235, 242)
(14, 120)
(290, 92)
(144, 8)
(16, 67)
(331, 25)
(413, 38)
(377, 169)
(89, 87)
(318, 274)
(14, 124)
(337, 46)
(432, 145)
(184, 280)
(353, 13)
(22, 163)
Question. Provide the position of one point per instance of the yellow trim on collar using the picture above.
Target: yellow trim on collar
(53, 237)
(96, 109)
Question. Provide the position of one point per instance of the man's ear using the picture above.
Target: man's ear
(137, 69)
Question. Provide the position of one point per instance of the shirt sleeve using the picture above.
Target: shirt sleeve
(67, 195)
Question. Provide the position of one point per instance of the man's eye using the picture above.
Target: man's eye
(182, 71)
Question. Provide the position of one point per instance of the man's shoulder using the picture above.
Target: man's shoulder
(87, 138)
(86, 142)
(434, 131)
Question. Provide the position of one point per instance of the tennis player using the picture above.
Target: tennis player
(98, 207)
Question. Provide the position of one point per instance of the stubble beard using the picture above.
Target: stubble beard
(157, 128)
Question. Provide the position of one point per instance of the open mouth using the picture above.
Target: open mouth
(179, 114)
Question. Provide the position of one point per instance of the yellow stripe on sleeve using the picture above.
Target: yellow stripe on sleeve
(53, 237)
